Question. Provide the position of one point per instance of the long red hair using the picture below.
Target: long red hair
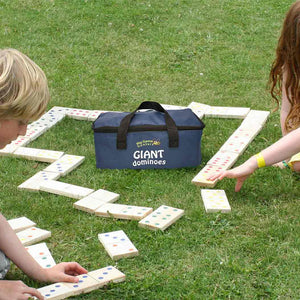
(287, 61)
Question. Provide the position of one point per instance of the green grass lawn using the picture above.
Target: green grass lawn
(112, 55)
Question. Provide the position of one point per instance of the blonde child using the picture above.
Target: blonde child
(23, 97)
(285, 82)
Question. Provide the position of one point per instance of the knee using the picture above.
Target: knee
(296, 166)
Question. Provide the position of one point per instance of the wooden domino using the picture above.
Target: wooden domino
(199, 109)
(65, 189)
(19, 224)
(65, 164)
(162, 218)
(237, 144)
(223, 158)
(79, 114)
(56, 291)
(123, 211)
(215, 201)
(38, 154)
(34, 182)
(201, 178)
(107, 275)
(254, 118)
(33, 132)
(94, 200)
(85, 284)
(94, 114)
(33, 235)
(41, 255)
(117, 244)
(227, 112)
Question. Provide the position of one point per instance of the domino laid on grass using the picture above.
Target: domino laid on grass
(201, 178)
(34, 132)
(56, 291)
(14, 145)
(65, 189)
(215, 201)
(34, 182)
(79, 114)
(199, 109)
(64, 290)
(85, 284)
(33, 235)
(227, 112)
(41, 255)
(223, 158)
(38, 154)
(117, 244)
(19, 224)
(254, 118)
(94, 114)
(123, 211)
(65, 164)
(107, 275)
(162, 218)
(237, 144)
(94, 200)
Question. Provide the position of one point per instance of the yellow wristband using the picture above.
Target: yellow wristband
(260, 160)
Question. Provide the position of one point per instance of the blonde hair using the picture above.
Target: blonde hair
(24, 92)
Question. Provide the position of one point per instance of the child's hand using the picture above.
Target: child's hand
(241, 173)
(17, 290)
(64, 272)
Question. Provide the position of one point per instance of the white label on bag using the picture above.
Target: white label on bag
(148, 157)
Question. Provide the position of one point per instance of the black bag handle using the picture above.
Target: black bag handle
(170, 123)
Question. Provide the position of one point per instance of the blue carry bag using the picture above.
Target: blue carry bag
(151, 139)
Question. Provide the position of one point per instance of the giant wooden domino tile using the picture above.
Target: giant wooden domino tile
(86, 284)
(65, 164)
(33, 132)
(172, 107)
(254, 118)
(117, 244)
(19, 224)
(41, 255)
(79, 114)
(215, 201)
(64, 290)
(65, 189)
(237, 144)
(107, 275)
(8, 149)
(34, 182)
(122, 211)
(48, 120)
(94, 200)
(56, 291)
(227, 112)
(38, 154)
(33, 235)
(162, 218)
(94, 114)
(199, 109)
(201, 178)
(223, 158)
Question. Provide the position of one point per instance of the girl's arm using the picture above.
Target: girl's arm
(279, 151)
(11, 246)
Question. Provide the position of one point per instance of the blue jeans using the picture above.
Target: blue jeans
(4, 265)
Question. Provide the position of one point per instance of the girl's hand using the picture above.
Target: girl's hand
(241, 173)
